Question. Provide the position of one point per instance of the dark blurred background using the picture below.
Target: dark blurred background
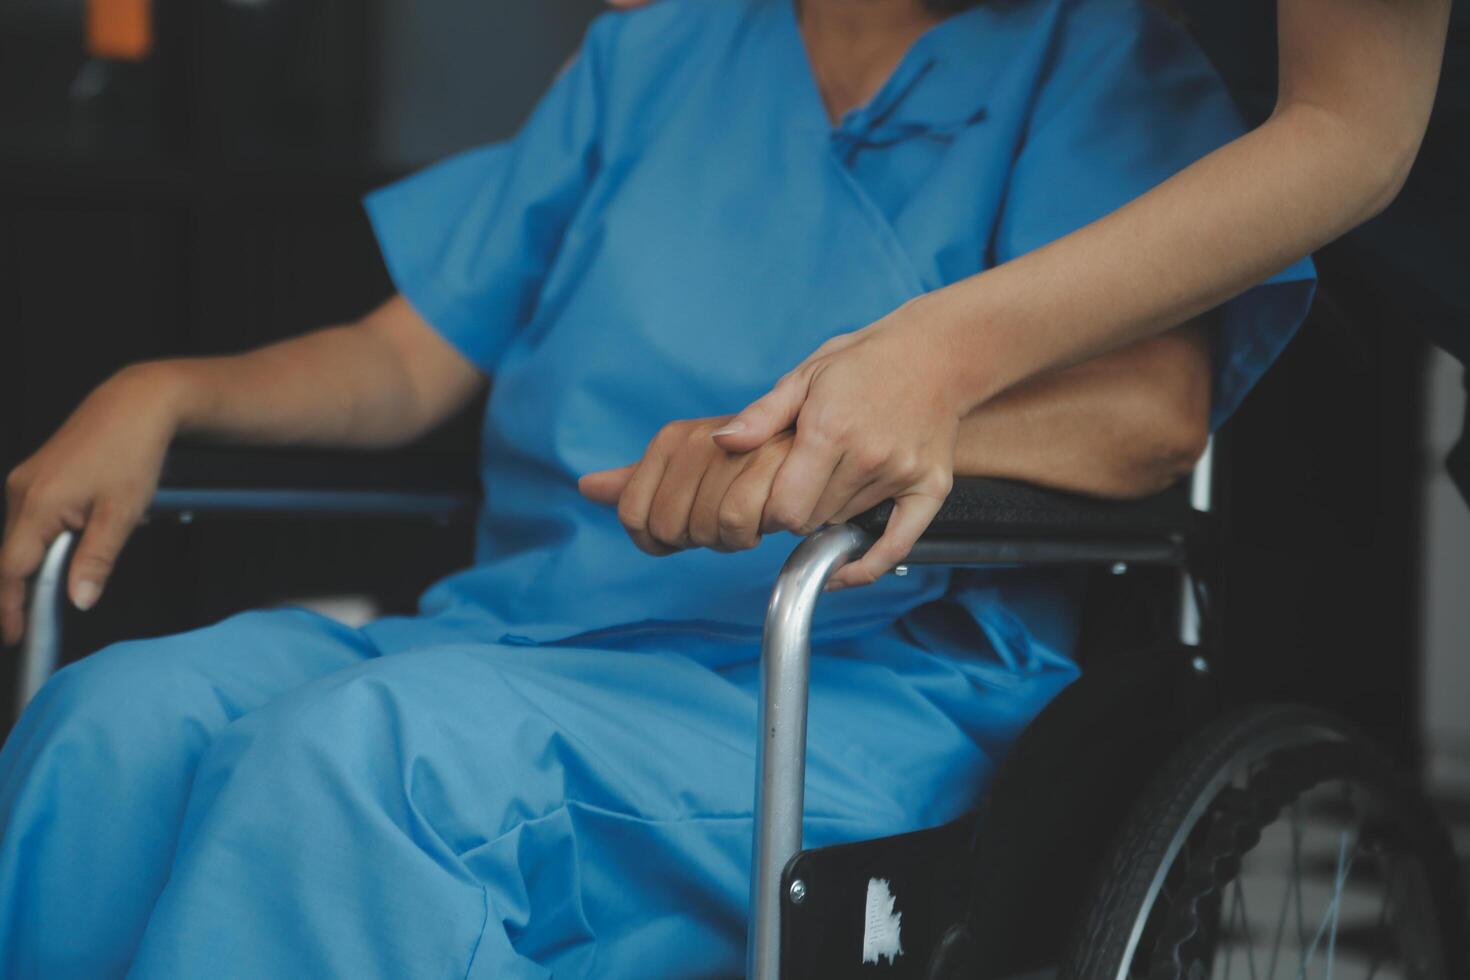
(199, 193)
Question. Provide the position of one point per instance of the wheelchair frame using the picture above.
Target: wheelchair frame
(786, 661)
(983, 523)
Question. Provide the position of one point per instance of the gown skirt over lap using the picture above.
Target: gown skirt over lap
(275, 796)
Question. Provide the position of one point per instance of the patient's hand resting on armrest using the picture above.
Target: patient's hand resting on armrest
(1124, 425)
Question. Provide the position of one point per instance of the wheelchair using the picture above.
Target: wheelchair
(1143, 826)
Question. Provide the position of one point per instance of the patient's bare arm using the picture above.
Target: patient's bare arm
(377, 382)
(1123, 425)
(1126, 424)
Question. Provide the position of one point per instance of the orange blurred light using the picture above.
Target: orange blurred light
(120, 29)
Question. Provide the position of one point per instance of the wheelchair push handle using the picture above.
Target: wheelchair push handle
(41, 649)
(785, 671)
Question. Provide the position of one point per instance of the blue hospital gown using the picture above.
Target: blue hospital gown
(550, 769)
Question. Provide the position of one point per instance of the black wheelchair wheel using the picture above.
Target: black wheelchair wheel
(1276, 843)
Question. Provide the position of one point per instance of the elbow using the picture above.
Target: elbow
(1168, 433)
(1183, 427)
(1386, 169)
(1159, 463)
(1378, 150)
(1179, 453)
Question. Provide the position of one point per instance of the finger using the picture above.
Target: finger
(14, 498)
(911, 515)
(704, 514)
(863, 501)
(12, 610)
(799, 484)
(606, 486)
(772, 413)
(668, 518)
(744, 503)
(636, 501)
(107, 530)
(848, 480)
(20, 556)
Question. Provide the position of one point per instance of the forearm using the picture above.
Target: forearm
(330, 387)
(1125, 425)
(379, 381)
(353, 386)
(1232, 220)
(1358, 79)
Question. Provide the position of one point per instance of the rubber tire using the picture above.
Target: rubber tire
(1117, 899)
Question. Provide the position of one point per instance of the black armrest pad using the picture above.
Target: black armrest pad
(286, 483)
(244, 468)
(975, 507)
(1002, 508)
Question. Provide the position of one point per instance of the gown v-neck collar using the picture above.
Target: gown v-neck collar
(892, 97)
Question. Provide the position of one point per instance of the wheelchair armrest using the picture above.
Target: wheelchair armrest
(199, 480)
(988, 521)
(980, 506)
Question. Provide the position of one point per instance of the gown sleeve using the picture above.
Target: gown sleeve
(1127, 101)
(468, 240)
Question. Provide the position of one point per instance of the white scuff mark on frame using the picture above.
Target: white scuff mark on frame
(881, 924)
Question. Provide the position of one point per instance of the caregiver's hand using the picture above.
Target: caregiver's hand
(96, 475)
(687, 492)
(876, 418)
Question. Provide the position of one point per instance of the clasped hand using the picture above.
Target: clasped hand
(868, 417)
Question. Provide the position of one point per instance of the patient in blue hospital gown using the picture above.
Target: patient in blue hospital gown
(549, 770)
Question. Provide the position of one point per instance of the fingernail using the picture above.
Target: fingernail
(86, 595)
(733, 429)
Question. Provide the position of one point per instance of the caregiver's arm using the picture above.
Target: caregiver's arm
(1357, 82)
(378, 382)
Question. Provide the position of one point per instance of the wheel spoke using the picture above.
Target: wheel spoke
(1285, 897)
(1296, 872)
(1228, 937)
(1250, 949)
(1329, 917)
(1336, 914)
(1382, 929)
